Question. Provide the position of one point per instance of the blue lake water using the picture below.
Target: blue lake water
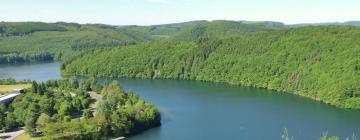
(199, 110)
(38, 71)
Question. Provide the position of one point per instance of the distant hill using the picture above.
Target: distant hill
(353, 23)
(220, 26)
(272, 24)
(29, 41)
(21, 41)
(32, 41)
(161, 31)
(23, 28)
(222, 29)
(348, 23)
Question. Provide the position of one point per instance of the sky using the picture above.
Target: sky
(150, 12)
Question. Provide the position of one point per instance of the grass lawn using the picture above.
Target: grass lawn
(26, 136)
(23, 136)
(9, 88)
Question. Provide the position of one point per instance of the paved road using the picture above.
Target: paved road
(98, 98)
(11, 135)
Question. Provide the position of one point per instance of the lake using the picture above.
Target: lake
(200, 110)
(38, 71)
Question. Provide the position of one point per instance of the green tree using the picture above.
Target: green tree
(87, 114)
(30, 126)
(120, 123)
(67, 118)
(65, 109)
(10, 121)
(46, 105)
(74, 83)
(42, 121)
(34, 87)
(76, 103)
(42, 88)
(2, 116)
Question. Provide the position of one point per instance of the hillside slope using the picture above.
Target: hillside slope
(322, 62)
(161, 31)
(23, 28)
(222, 29)
(22, 41)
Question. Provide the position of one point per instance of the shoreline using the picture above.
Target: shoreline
(222, 82)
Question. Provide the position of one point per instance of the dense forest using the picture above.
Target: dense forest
(29, 41)
(320, 62)
(161, 31)
(222, 29)
(24, 28)
(22, 42)
(62, 109)
(27, 57)
(309, 61)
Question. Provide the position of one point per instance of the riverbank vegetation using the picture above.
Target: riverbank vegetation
(320, 62)
(27, 57)
(60, 109)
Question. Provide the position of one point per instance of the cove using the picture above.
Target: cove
(201, 110)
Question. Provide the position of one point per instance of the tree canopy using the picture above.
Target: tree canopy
(60, 109)
(320, 62)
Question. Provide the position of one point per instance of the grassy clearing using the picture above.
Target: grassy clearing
(26, 136)
(10, 88)
(23, 136)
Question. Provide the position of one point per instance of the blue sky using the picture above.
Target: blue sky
(148, 12)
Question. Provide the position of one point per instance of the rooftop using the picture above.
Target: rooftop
(3, 98)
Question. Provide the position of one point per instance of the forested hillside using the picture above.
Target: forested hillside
(22, 42)
(24, 28)
(322, 62)
(61, 40)
(161, 31)
(348, 23)
(222, 29)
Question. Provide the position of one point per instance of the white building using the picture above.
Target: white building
(8, 98)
